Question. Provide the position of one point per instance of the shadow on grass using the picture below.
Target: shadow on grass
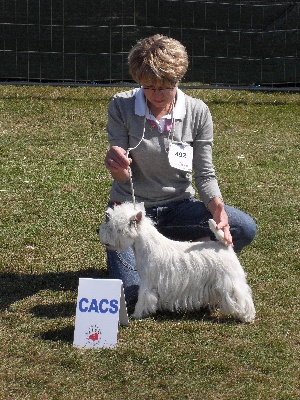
(15, 287)
(57, 310)
(59, 335)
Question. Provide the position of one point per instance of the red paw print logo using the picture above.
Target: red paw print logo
(93, 336)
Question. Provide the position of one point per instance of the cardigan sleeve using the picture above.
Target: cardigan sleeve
(117, 133)
(204, 172)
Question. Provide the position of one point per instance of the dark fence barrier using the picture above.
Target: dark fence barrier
(229, 42)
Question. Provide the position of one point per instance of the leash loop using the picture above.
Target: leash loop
(131, 183)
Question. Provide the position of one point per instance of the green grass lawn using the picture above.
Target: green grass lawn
(53, 193)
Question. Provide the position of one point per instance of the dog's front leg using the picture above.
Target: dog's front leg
(146, 304)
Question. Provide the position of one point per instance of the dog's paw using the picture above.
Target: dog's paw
(136, 315)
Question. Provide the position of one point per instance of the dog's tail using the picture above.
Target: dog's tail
(219, 234)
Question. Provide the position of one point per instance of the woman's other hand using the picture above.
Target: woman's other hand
(216, 207)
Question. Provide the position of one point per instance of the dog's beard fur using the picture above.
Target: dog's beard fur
(178, 276)
(119, 231)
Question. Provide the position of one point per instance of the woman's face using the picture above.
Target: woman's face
(159, 95)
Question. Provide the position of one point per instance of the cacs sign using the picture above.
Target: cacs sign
(100, 308)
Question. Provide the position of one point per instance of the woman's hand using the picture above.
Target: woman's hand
(216, 207)
(117, 163)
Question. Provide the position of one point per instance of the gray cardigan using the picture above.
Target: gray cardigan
(155, 182)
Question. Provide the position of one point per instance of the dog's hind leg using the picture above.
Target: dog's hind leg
(147, 303)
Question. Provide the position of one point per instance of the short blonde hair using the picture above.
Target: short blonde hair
(158, 58)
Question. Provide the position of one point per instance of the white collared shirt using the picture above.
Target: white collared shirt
(178, 112)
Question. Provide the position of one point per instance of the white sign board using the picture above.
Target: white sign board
(100, 308)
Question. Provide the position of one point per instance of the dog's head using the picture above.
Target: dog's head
(121, 226)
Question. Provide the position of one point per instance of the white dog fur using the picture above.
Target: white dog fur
(178, 276)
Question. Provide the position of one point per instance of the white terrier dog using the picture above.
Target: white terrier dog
(178, 276)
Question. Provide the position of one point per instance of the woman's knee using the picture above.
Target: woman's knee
(243, 228)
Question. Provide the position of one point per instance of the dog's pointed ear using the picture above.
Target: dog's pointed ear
(138, 217)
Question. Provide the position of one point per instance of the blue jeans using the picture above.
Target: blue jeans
(183, 221)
